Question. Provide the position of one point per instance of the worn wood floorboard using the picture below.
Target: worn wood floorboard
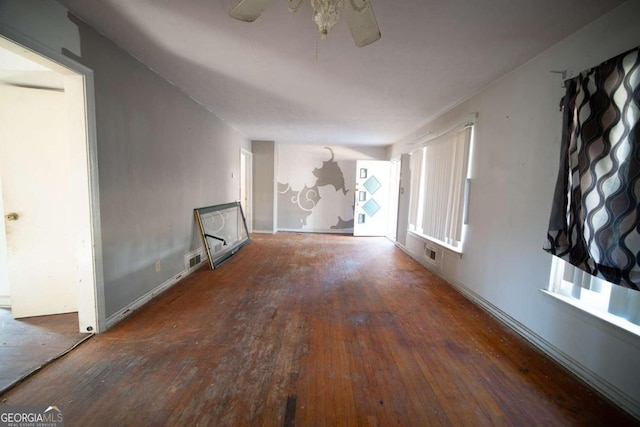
(30, 343)
(313, 330)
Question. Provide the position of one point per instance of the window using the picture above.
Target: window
(615, 304)
(594, 223)
(439, 177)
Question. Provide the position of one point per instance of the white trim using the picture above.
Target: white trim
(138, 303)
(620, 398)
(558, 289)
(248, 178)
(424, 138)
(448, 248)
(91, 301)
(264, 231)
(325, 231)
(5, 301)
(614, 325)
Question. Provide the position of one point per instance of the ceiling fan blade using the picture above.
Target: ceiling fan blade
(362, 22)
(249, 10)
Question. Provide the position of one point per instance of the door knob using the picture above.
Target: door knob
(12, 216)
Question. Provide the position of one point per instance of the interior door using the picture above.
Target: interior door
(34, 163)
(371, 198)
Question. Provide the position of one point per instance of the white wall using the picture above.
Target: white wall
(515, 163)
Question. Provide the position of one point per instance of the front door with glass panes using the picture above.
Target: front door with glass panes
(371, 198)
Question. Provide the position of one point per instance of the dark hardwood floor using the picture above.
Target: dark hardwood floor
(28, 344)
(313, 330)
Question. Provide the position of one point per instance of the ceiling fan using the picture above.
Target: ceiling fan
(358, 14)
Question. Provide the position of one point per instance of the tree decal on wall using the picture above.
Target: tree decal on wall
(295, 205)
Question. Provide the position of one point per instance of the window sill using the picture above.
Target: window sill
(616, 322)
(441, 245)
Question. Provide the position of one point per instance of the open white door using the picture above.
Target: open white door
(371, 198)
(34, 163)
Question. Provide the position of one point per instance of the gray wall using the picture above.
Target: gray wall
(264, 186)
(514, 165)
(160, 154)
(404, 199)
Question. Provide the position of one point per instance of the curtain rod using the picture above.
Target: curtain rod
(563, 73)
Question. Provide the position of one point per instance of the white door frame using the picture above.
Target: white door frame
(91, 307)
(394, 197)
(247, 179)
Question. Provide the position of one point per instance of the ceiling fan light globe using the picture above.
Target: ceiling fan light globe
(325, 14)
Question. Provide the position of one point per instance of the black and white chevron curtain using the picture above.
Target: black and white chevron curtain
(595, 216)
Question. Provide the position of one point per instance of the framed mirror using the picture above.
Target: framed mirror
(223, 229)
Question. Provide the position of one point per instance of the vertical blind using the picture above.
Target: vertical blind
(415, 203)
(440, 171)
(597, 293)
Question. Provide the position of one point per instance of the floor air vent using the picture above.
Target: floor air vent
(193, 259)
(430, 254)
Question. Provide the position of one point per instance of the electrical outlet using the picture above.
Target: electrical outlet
(157, 266)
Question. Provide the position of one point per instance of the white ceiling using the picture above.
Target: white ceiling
(270, 81)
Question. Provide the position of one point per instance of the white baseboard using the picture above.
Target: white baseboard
(620, 398)
(263, 231)
(130, 308)
(5, 301)
(325, 231)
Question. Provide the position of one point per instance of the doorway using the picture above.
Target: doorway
(48, 263)
(246, 168)
(371, 206)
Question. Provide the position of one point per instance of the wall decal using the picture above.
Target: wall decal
(295, 206)
(342, 224)
(326, 197)
(315, 186)
(330, 174)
